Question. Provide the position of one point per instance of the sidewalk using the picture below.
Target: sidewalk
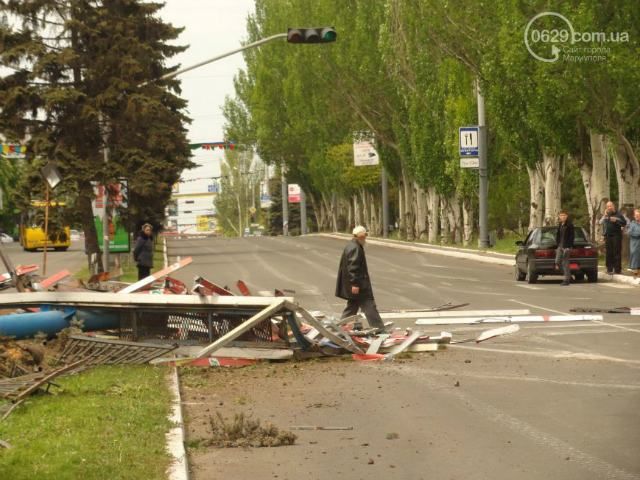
(477, 255)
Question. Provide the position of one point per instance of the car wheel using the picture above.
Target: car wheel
(519, 275)
(532, 276)
(61, 249)
(592, 276)
(579, 276)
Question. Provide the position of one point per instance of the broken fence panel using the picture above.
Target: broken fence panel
(262, 315)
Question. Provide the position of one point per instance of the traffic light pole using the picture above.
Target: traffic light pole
(216, 58)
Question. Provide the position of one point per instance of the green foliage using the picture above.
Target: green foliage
(74, 63)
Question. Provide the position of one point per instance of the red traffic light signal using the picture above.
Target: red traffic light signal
(311, 35)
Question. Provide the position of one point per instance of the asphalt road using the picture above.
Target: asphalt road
(557, 401)
(73, 259)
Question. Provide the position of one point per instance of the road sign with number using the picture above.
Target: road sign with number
(473, 162)
(469, 142)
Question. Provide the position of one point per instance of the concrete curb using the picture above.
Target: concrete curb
(179, 469)
(494, 258)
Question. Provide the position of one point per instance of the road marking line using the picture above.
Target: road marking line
(617, 285)
(599, 467)
(618, 326)
(538, 306)
(553, 354)
(622, 386)
(529, 287)
(447, 284)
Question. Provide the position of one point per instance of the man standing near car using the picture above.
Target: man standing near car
(353, 283)
(564, 243)
(613, 223)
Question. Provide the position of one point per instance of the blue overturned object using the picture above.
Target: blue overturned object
(50, 322)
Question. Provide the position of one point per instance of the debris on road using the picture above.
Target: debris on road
(471, 320)
(243, 431)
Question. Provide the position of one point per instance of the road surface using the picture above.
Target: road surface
(73, 259)
(557, 401)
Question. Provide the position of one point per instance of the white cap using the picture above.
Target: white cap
(359, 230)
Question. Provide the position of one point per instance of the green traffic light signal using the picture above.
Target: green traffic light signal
(311, 35)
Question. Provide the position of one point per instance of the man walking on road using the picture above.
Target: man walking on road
(612, 224)
(353, 283)
(564, 244)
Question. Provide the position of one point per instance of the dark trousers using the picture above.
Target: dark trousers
(562, 260)
(143, 272)
(368, 307)
(614, 253)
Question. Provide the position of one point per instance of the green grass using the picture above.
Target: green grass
(129, 270)
(108, 422)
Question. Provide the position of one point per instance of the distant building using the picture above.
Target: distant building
(192, 208)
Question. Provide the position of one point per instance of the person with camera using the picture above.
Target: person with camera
(613, 223)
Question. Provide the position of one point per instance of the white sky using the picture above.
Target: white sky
(212, 27)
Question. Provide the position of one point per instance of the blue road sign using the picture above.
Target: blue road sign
(469, 141)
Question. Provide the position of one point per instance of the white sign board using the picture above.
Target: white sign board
(294, 193)
(469, 163)
(469, 141)
(364, 154)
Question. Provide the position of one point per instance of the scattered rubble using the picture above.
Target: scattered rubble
(243, 431)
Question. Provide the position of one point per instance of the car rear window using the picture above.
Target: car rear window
(548, 237)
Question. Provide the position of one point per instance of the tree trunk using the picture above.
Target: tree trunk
(409, 208)
(627, 171)
(357, 213)
(536, 195)
(433, 214)
(455, 219)
(421, 213)
(594, 170)
(334, 211)
(467, 221)
(350, 218)
(445, 237)
(553, 173)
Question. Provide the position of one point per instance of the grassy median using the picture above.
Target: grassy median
(107, 422)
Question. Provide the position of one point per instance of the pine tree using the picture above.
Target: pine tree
(77, 62)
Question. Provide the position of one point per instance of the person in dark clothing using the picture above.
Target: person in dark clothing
(353, 283)
(143, 251)
(613, 223)
(564, 243)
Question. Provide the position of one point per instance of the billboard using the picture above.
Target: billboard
(118, 234)
(294, 193)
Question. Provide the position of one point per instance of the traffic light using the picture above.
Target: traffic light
(311, 35)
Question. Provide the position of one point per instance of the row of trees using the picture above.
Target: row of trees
(73, 88)
(560, 133)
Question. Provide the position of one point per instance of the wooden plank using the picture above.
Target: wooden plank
(455, 313)
(396, 349)
(47, 378)
(54, 279)
(243, 327)
(375, 345)
(244, 290)
(156, 276)
(311, 320)
(203, 286)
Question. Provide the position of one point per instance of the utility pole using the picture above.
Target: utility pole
(285, 204)
(482, 172)
(303, 213)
